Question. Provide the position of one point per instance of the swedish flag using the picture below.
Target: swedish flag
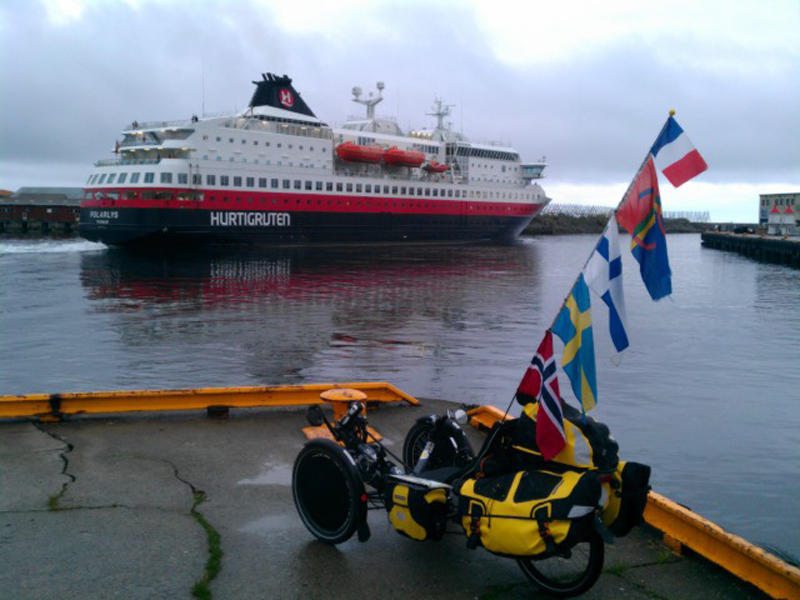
(574, 326)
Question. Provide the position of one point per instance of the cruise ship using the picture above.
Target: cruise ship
(276, 174)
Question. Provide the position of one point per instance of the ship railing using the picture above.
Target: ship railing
(357, 118)
(113, 162)
(133, 126)
(311, 131)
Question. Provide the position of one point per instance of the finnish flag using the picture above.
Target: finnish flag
(603, 274)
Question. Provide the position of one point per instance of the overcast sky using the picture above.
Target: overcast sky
(586, 84)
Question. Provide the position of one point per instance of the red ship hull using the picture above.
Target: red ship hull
(225, 217)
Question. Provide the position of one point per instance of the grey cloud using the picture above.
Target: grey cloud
(69, 89)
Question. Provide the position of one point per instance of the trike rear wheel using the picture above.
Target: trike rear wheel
(568, 574)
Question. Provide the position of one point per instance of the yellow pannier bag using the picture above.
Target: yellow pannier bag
(417, 512)
(625, 496)
(529, 513)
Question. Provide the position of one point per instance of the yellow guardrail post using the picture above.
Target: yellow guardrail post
(734, 554)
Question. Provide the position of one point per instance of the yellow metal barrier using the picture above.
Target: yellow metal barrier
(55, 405)
(734, 554)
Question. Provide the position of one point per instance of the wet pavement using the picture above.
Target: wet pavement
(103, 508)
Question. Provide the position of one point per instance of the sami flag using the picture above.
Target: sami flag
(640, 215)
(603, 273)
(574, 326)
(540, 384)
(676, 155)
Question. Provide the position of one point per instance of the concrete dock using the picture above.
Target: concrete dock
(99, 507)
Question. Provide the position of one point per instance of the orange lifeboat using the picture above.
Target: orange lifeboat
(350, 152)
(403, 158)
(436, 167)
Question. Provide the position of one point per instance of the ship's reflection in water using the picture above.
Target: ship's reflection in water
(420, 317)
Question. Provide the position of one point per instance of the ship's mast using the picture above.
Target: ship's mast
(440, 111)
(370, 102)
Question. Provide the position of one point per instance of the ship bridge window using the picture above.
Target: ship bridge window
(287, 184)
(402, 191)
(411, 191)
(224, 180)
(386, 189)
(319, 186)
(166, 177)
(298, 184)
(102, 179)
(237, 181)
(111, 178)
(339, 187)
(183, 178)
(122, 178)
(134, 177)
(358, 188)
(262, 182)
(349, 187)
(211, 179)
(329, 186)
(149, 177)
(274, 184)
(368, 188)
(156, 196)
(308, 185)
(196, 179)
(394, 189)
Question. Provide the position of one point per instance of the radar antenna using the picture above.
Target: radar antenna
(369, 102)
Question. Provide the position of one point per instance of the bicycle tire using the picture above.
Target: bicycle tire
(328, 491)
(416, 438)
(564, 577)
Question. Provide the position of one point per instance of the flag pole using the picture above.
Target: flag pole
(613, 215)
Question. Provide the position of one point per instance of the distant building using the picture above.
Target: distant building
(40, 209)
(780, 213)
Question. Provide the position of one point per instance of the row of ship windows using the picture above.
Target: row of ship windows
(297, 184)
(267, 144)
(165, 177)
(268, 162)
(200, 197)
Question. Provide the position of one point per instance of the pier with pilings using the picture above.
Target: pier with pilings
(782, 250)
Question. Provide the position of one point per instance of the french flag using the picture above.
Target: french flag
(676, 155)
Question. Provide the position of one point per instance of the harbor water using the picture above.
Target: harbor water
(707, 394)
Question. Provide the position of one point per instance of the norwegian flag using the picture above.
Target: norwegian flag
(540, 384)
